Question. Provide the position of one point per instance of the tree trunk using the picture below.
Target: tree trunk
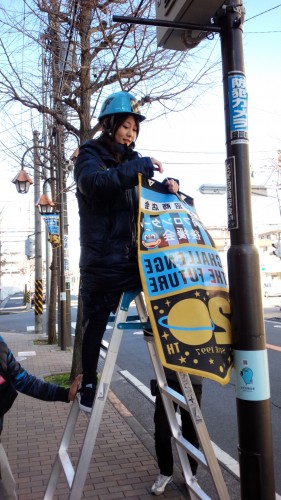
(76, 367)
(52, 335)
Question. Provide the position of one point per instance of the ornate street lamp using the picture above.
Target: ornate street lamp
(45, 205)
(47, 208)
(22, 181)
(52, 217)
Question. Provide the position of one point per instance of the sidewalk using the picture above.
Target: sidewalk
(123, 464)
(274, 312)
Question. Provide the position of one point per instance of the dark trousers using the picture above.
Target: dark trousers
(163, 444)
(94, 329)
(96, 311)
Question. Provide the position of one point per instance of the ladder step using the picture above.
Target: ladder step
(67, 467)
(131, 326)
(191, 450)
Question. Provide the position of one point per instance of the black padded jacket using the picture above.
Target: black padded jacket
(108, 208)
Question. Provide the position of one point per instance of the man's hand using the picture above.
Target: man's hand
(158, 165)
(74, 388)
(172, 185)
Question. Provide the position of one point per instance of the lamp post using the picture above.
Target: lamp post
(48, 210)
(46, 206)
(23, 182)
(54, 219)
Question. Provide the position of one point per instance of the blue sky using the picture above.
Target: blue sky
(199, 131)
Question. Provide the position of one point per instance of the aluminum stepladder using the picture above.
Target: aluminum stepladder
(76, 477)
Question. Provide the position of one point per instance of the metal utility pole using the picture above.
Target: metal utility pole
(66, 261)
(38, 302)
(47, 244)
(62, 290)
(250, 354)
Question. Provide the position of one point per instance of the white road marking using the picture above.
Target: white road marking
(27, 353)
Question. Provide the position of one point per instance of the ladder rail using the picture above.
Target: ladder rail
(59, 463)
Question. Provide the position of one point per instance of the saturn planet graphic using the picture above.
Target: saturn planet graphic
(189, 322)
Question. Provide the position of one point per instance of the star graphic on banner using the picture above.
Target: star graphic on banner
(167, 302)
(197, 294)
(165, 335)
(211, 361)
(182, 360)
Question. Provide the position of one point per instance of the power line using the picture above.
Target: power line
(260, 32)
(197, 152)
(192, 163)
(264, 12)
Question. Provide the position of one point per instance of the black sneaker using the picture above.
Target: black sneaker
(86, 396)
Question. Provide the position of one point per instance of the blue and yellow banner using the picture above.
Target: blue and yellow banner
(52, 221)
(184, 283)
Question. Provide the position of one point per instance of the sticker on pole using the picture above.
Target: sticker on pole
(184, 284)
(238, 107)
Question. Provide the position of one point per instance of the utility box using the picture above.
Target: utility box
(30, 248)
(67, 59)
(198, 12)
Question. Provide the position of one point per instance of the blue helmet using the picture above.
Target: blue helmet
(121, 102)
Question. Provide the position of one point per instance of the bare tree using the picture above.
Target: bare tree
(85, 56)
(92, 56)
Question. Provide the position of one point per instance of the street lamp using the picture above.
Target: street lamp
(54, 220)
(47, 208)
(22, 182)
(258, 190)
(45, 205)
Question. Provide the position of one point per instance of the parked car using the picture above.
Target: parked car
(272, 289)
(32, 298)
